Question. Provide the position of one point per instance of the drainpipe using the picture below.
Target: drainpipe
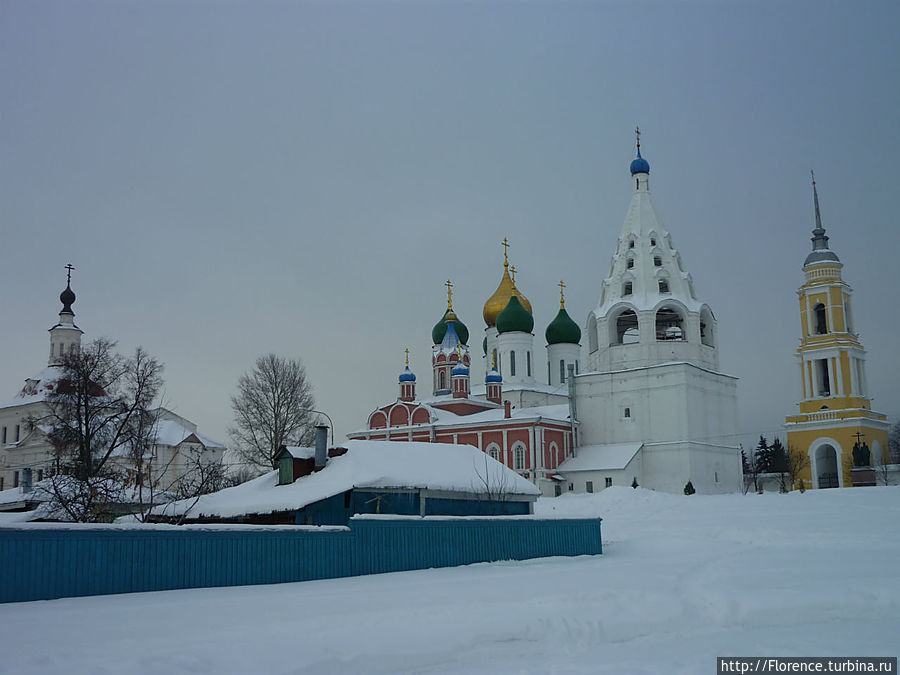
(573, 412)
(534, 449)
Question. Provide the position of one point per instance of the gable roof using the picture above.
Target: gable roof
(367, 464)
(601, 457)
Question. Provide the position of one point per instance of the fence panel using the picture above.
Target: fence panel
(45, 563)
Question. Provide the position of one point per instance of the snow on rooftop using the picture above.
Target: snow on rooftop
(440, 416)
(367, 464)
(36, 388)
(172, 432)
(601, 457)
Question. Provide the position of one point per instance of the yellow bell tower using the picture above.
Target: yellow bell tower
(835, 411)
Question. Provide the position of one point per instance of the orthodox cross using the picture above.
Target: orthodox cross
(637, 132)
(407, 357)
(505, 251)
(562, 294)
(69, 269)
(449, 286)
(513, 270)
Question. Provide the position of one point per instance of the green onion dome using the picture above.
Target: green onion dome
(562, 330)
(514, 318)
(437, 333)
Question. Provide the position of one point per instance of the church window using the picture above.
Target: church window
(669, 324)
(17, 433)
(593, 339)
(627, 332)
(608, 481)
(1, 485)
(571, 487)
(528, 362)
(627, 412)
(519, 455)
(653, 241)
(562, 370)
(629, 263)
(554, 456)
(821, 321)
(627, 288)
(663, 285)
(442, 380)
(848, 319)
(631, 244)
(657, 261)
(16, 479)
(494, 451)
(512, 364)
(637, 184)
(823, 378)
(589, 486)
(4, 435)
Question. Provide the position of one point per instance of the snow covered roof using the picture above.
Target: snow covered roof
(367, 464)
(601, 457)
(173, 431)
(298, 452)
(441, 417)
(37, 387)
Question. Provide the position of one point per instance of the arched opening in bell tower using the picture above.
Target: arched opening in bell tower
(627, 332)
(826, 467)
(669, 324)
(821, 319)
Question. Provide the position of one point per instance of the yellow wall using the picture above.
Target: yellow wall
(802, 440)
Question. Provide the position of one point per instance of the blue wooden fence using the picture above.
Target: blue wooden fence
(41, 564)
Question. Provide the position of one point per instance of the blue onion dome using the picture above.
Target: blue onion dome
(459, 369)
(515, 318)
(407, 375)
(493, 376)
(562, 330)
(639, 164)
(440, 328)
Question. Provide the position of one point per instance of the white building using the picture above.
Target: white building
(24, 443)
(653, 370)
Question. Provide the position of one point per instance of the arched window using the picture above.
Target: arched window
(528, 362)
(627, 332)
(554, 455)
(631, 244)
(442, 380)
(821, 321)
(669, 324)
(629, 263)
(592, 334)
(519, 457)
(626, 289)
(493, 451)
(627, 412)
(653, 241)
(663, 285)
(657, 261)
(512, 364)
(636, 184)
(562, 370)
(706, 328)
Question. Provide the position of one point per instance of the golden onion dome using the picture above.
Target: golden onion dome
(500, 299)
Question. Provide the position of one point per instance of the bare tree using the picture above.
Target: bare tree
(796, 461)
(272, 408)
(97, 412)
(493, 485)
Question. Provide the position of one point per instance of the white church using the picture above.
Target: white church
(642, 402)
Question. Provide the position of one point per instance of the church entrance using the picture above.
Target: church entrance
(826, 467)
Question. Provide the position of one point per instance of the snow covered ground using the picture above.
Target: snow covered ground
(682, 580)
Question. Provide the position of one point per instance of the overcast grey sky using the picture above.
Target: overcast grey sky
(233, 178)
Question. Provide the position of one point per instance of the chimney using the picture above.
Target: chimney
(321, 445)
(507, 409)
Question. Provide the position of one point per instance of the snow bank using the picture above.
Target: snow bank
(681, 581)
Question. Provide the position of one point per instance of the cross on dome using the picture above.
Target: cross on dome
(562, 294)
